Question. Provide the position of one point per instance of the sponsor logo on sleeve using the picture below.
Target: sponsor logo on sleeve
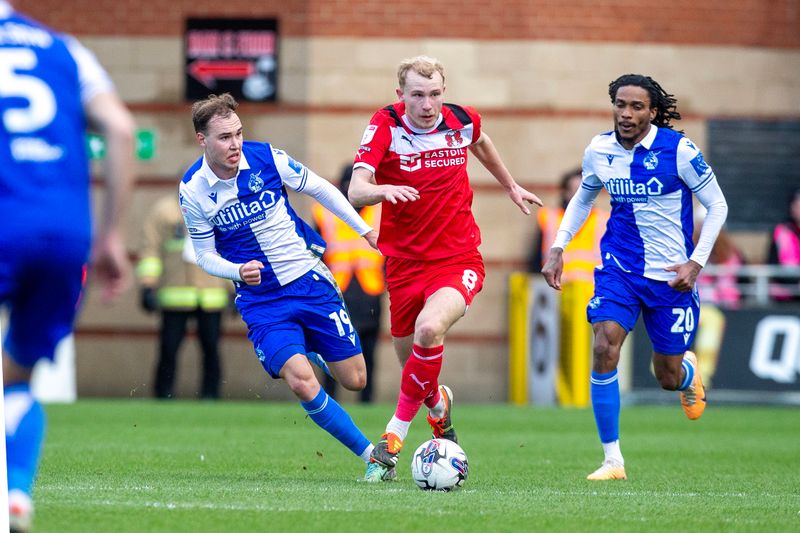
(369, 133)
(700, 166)
(297, 167)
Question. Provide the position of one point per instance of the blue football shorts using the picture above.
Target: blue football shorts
(306, 315)
(41, 285)
(670, 316)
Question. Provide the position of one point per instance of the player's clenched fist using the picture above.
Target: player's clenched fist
(251, 272)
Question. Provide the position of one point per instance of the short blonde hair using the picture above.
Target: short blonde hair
(422, 65)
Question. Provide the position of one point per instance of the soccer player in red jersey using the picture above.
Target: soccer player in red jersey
(413, 159)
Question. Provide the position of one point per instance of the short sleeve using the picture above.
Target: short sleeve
(692, 168)
(590, 181)
(93, 78)
(374, 143)
(476, 123)
(197, 225)
(293, 173)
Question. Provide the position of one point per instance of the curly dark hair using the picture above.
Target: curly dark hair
(666, 105)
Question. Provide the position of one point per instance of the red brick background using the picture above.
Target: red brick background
(767, 23)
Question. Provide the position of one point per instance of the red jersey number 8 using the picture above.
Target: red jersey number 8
(469, 279)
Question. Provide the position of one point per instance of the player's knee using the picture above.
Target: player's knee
(606, 355)
(356, 381)
(428, 333)
(302, 383)
(305, 390)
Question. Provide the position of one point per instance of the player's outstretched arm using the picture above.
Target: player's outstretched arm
(106, 114)
(486, 152)
(364, 190)
(553, 268)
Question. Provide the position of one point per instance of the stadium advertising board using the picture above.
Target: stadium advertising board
(238, 56)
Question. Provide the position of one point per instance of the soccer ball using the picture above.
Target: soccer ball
(439, 464)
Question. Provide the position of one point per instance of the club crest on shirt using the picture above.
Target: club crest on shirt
(651, 160)
(454, 138)
(256, 183)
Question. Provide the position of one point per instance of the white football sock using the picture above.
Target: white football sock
(613, 453)
(366, 453)
(398, 427)
(437, 411)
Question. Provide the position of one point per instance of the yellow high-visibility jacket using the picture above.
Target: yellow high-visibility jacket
(165, 264)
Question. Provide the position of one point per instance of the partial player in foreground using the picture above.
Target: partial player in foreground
(650, 263)
(413, 158)
(52, 88)
(238, 215)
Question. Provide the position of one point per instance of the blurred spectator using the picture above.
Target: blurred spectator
(174, 285)
(584, 250)
(358, 269)
(580, 259)
(785, 250)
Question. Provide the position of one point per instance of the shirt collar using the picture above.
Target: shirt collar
(646, 142)
(212, 178)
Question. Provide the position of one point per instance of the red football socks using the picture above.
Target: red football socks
(420, 381)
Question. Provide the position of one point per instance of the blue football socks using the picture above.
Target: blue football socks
(25, 423)
(330, 416)
(605, 403)
(688, 374)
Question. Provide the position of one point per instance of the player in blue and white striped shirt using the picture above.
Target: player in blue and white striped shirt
(650, 263)
(51, 90)
(237, 212)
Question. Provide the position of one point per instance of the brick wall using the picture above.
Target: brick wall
(772, 23)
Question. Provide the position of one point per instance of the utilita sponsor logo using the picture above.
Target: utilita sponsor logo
(240, 213)
(628, 191)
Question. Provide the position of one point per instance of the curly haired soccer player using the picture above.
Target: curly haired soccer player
(650, 263)
(413, 159)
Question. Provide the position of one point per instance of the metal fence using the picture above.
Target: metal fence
(757, 283)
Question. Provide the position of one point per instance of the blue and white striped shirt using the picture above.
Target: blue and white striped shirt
(249, 217)
(651, 187)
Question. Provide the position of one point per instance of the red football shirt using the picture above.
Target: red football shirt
(440, 224)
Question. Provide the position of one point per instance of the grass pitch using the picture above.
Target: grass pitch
(145, 466)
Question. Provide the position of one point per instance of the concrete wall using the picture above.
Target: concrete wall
(538, 71)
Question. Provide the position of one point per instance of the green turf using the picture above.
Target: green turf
(142, 466)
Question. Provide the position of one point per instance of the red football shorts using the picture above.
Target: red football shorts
(411, 282)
